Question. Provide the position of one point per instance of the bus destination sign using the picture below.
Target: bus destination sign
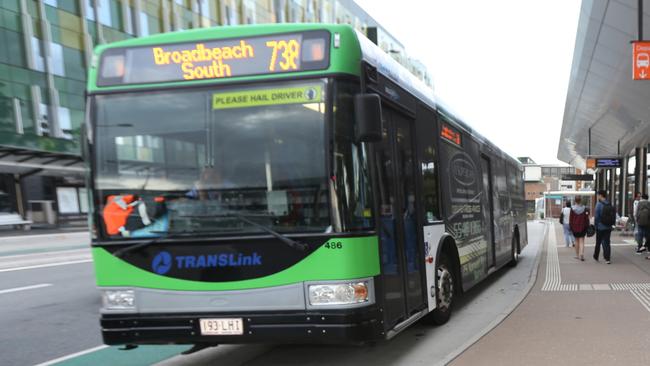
(215, 59)
(450, 134)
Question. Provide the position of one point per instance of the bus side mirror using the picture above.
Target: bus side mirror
(367, 113)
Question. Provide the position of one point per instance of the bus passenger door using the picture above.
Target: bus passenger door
(488, 209)
(406, 168)
(394, 160)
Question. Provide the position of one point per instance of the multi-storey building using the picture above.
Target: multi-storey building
(46, 46)
(540, 178)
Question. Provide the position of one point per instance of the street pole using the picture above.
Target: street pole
(640, 17)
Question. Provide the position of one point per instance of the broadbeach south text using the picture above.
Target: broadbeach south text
(188, 58)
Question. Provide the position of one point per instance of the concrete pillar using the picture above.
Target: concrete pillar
(600, 180)
(87, 38)
(20, 202)
(644, 171)
(622, 187)
(609, 185)
(637, 170)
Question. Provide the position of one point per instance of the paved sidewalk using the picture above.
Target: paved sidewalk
(43, 243)
(578, 313)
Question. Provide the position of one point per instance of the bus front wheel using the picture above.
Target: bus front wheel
(445, 292)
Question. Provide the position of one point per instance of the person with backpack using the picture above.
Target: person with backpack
(604, 219)
(579, 222)
(642, 219)
(565, 219)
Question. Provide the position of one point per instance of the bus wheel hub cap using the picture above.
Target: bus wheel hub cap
(445, 288)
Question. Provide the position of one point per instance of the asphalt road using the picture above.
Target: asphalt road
(477, 312)
(42, 323)
(50, 312)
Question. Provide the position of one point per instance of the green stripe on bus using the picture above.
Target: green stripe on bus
(358, 258)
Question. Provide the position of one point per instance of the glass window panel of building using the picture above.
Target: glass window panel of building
(65, 123)
(250, 12)
(57, 62)
(90, 11)
(37, 52)
(144, 24)
(204, 8)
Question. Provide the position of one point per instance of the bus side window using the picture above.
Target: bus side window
(427, 135)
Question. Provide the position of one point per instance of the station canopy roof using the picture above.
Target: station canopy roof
(601, 94)
(30, 162)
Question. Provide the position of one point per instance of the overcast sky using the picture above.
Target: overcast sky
(503, 65)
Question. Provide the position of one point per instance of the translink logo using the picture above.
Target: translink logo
(164, 261)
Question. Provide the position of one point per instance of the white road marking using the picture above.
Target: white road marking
(45, 265)
(67, 252)
(611, 245)
(601, 287)
(36, 236)
(630, 286)
(77, 354)
(16, 289)
(643, 296)
(553, 280)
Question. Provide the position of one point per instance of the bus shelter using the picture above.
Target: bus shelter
(555, 200)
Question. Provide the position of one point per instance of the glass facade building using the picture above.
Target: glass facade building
(46, 45)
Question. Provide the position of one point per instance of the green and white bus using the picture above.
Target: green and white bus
(284, 183)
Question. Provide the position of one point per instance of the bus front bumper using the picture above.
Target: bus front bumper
(331, 326)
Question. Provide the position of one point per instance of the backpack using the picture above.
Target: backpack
(607, 215)
(578, 222)
(643, 214)
(117, 214)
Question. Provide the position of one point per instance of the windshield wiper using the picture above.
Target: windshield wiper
(283, 238)
(165, 235)
(171, 234)
(120, 252)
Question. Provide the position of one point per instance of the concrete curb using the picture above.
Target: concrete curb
(58, 235)
(531, 283)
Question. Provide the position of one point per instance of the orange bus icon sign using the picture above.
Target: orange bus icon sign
(640, 60)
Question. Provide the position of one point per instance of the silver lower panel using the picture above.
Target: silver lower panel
(290, 297)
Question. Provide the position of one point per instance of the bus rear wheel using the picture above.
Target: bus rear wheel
(514, 256)
(445, 292)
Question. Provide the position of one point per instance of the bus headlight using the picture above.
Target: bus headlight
(118, 299)
(338, 293)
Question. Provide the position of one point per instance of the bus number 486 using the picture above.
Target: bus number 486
(334, 245)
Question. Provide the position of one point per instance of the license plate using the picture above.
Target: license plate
(223, 326)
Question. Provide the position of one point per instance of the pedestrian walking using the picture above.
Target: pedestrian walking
(604, 219)
(565, 219)
(642, 220)
(579, 222)
(639, 240)
(638, 235)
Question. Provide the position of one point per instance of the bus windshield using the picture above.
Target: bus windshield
(198, 160)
